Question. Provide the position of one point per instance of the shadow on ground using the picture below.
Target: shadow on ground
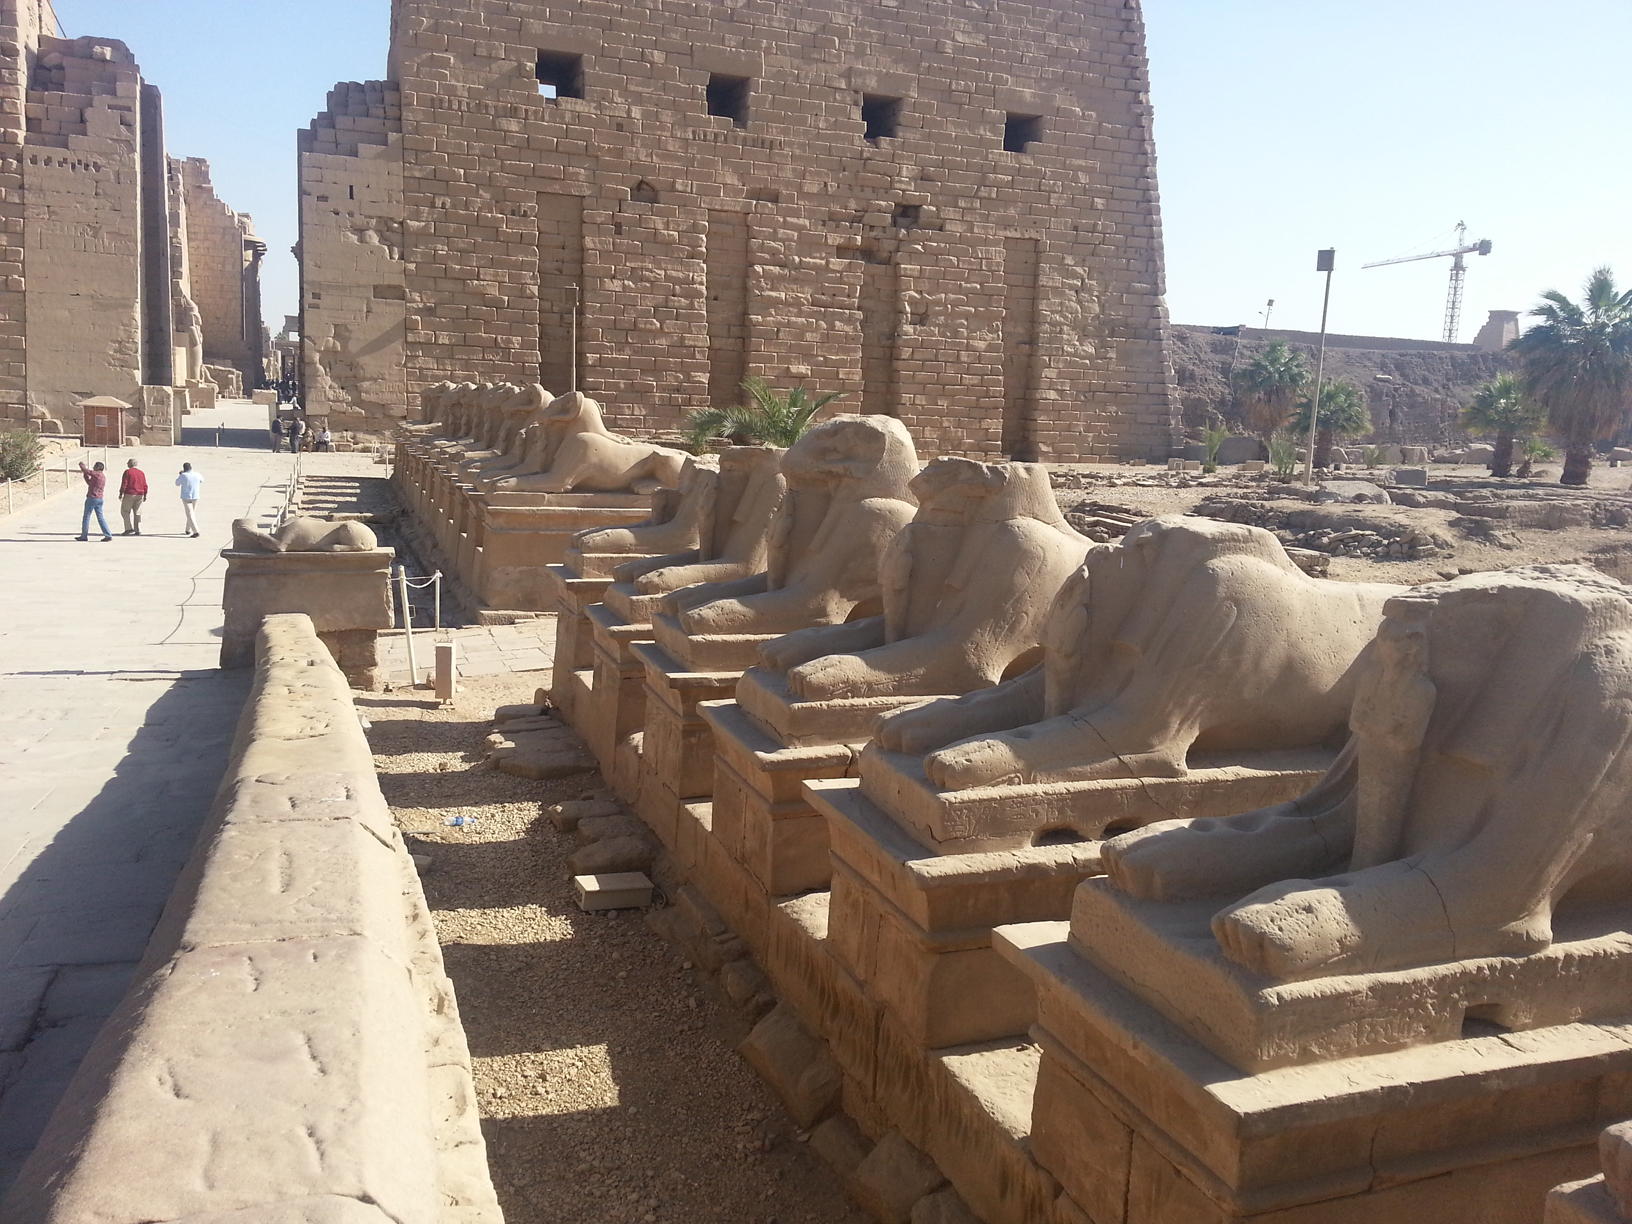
(76, 922)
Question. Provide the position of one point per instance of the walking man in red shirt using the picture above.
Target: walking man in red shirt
(132, 493)
(96, 483)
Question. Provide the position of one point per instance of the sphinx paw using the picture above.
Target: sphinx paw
(982, 762)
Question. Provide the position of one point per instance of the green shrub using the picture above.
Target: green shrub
(19, 454)
(1283, 456)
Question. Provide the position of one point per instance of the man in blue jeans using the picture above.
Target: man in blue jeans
(96, 484)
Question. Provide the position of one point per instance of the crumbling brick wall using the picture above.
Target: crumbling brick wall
(999, 300)
(353, 295)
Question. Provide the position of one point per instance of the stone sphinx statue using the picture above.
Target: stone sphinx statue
(575, 453)
(678, 516)
(1187, 635)
(435, 410)
(1487, 788)
(966, 588)
(717, 533)
(303, 535)
(461, 404)
(846, 495)
(522, 408)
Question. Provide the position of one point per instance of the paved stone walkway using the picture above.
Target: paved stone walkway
(484, 650)
(114, 732)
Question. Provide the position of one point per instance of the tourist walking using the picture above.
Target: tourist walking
(188, 483)
(96, 484)
(277, 435)
(132, 493)
(297, 432)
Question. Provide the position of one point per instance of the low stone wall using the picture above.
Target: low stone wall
(291, 1049)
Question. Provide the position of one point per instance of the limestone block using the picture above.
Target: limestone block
(340, 591)
(892, 1178)
(795, 1064)
(1351, 491)
(1583, 1202)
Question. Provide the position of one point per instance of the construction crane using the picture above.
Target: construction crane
(1459, 273)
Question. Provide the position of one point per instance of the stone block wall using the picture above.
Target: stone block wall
(93, 296)
(224, 257)
(999, 300)
(291, 1046)
(353, 299)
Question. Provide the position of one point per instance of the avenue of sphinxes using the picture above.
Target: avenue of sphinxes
(729, 665)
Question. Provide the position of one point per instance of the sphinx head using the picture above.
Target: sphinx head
(873, 452)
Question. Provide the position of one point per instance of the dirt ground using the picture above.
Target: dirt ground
(610, 1089)
(1152, 491)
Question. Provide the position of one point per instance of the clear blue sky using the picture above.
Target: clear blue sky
(1282, 126)
(239, 78)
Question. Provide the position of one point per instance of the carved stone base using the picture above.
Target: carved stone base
(347, 595)
(915, 928)
(1010, 817)
(1141, 1123)
(677, 745)
(1166, 954)
(523, 534)
(723, 652)
(793, 723)
(761, 815)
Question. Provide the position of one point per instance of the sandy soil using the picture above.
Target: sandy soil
(1151, 492)
(610, 1089)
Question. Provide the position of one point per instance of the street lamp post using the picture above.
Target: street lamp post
(1325, 261)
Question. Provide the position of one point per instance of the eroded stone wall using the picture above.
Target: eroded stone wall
(869, 253)
(353, 295)
(94, 272)
(224, 256)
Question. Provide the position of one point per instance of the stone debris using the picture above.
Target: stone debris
(621, 890)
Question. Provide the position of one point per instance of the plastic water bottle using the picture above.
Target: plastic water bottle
(460, 822)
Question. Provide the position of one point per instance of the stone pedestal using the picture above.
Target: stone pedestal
(1007, 817)
(761, 815)
(523, 534)
(768, 743)
(579, 583)
(347, 595)
(988, 855)
(915, 927)
(677, 747)
(1143, 1124)
(609, 704)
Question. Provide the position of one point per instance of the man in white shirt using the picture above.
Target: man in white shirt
(188, 483)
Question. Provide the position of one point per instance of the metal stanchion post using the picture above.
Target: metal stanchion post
(438, 590)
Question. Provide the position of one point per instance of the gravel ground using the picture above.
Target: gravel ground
(610, 1089)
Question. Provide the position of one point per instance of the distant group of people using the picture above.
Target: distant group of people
(132, 496)
(298, 436)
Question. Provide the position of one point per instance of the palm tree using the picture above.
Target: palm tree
(770, 418)
(1499, 407)
(1343, 412)
(1269, 386)
(1576, 365)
